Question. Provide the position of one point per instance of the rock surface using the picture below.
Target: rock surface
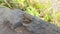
(11, 19)
(14, 21)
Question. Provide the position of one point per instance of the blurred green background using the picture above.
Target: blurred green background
(39, 8)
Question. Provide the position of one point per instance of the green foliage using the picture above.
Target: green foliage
(39, 6)
(47, 17)
(32, 11)
(58, 16)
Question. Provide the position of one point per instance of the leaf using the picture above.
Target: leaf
(30, 10)
(48, 17)
(36, 13)
(40, 6)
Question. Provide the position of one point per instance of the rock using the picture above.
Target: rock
(6, 30)
(13, 16)
(10, 20)
(39, 26)
(15, 21)
(23, 30)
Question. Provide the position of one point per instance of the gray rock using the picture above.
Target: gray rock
(13, 16)
(12, 20)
